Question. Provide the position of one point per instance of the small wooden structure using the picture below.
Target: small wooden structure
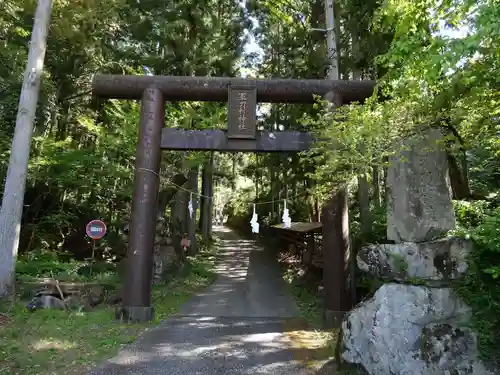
(305, 239)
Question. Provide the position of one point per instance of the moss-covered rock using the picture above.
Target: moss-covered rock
(433, 263)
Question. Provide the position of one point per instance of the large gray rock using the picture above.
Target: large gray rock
(411, 330)
(419, 191)
(428, 262)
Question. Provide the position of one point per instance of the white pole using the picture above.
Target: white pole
(13, 196)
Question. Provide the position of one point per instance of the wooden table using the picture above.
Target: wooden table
(305, 239)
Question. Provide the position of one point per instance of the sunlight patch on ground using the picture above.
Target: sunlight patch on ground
(262, 337)
(46, 344)
(312, 348)
(130, 358)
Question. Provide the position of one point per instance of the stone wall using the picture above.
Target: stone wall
(414, 323)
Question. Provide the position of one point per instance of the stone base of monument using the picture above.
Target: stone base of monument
(433, 263)
(134, 314)
(413, 330)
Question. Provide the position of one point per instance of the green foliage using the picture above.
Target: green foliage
(27, 270)
(432, 77)
(308, 301)
(61, 342)
(83, 148)
(355, 139)
(379, 225)
(378, 231)
(45, 267)
(469, 214)
(480, 287)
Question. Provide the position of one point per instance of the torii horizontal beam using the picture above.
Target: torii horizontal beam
(215, 89)
(205, 140)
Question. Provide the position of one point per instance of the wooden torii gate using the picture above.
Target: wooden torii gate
(242, 96)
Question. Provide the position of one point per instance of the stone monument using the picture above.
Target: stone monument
(414, 324)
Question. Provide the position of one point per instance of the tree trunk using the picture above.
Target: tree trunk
(332, 40)
(336, 245)
(208, 200)
(202, 200)
(465, 172)
(13, 197)
(386, 188)
(179, 213)
(376, 186)
(256, 185)
(365, 216)
(168, 194)
(233, 177)
(191, 225)
(458, 179)
(273, 184)
(317, 213)
(257, 177)
(337, 275)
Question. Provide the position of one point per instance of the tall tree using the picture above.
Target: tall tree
(13, 196)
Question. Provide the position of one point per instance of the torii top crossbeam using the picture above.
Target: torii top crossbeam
(215, 89)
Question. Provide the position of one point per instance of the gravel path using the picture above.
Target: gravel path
(236, 326)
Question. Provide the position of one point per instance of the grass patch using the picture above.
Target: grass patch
(323, 341)
(49, 265)
(320, 341)
(56, 342)
(307, 300)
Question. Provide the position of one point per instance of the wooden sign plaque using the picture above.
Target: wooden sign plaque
(242, 112)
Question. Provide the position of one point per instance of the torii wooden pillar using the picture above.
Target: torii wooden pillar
(242, 94)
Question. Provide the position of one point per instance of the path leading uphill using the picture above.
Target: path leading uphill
(236, 326)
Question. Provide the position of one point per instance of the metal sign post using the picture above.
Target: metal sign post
(96, 229)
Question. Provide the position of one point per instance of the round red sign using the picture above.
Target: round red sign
(96, 229)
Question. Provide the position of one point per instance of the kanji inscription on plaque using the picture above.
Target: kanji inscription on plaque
(242, 112)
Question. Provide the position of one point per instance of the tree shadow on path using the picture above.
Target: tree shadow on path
(237, 325)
